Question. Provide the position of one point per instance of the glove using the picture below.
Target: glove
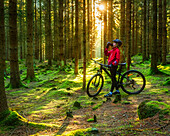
(108, 44)
(114, 63)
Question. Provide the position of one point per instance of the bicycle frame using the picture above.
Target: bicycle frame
(118, 72)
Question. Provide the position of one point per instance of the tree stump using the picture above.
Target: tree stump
(117, 98)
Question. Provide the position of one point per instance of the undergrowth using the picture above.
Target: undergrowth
(54, 93)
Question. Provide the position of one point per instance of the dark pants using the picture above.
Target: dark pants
(113, 70)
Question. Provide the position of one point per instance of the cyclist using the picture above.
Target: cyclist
(113, 61)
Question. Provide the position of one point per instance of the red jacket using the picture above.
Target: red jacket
(114, 55)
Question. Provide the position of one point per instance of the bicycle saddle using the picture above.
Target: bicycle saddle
(122, 64)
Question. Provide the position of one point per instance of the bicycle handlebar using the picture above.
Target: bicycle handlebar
(122, 64)
(101, 63)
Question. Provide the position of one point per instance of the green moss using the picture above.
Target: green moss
(12, 119)
(4, 115)
(83, 132)
(150, 108)
(90, 120)
(96, 106)
(167, 83)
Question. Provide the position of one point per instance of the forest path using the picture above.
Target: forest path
(48, 100)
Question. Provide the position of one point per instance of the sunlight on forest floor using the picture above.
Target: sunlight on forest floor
(49, 99)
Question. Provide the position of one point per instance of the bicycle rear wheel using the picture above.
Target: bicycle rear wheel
(133, 82)
(95, 85)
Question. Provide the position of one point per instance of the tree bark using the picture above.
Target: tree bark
(15, 81)
(105, 27)
(30, 63)
(154, 69)
(84, 44)
(3, 99)
(55, 31)
(133, 28)
(49, 34)
(76, 38)
(128, 33)
(164, 33)
(36, 39)
(144, 35)
(61, 33)
(122, 32)
(40, 32)
(148, 30)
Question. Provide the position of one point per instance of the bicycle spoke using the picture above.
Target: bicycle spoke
(133, 82)
(95, 85)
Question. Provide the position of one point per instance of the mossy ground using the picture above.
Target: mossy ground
(47, 101)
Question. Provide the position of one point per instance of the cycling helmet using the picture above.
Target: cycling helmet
(118, 41)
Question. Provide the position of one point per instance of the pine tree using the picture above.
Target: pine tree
(164, 33)
(154, 69)
(61, 54)
(15, 81)
(84, 44)
(76, 38)
(128, 33)
(30, 63)
(3, 99)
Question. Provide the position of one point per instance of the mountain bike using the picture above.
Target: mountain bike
(131, 82)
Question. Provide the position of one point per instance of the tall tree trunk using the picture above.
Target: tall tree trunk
(77, 38)
(30, 63)
(164, 33)
(49, 34)
(61, 33)
(68, 30)
(3, 99)
(21, 30)
(15, 81)
(84, 44)
(137, 27)
(128, 33)
(144, 35)
(93, 30)
(141, 32)
(154, 68)
(36, 39)
(40, 32)
(46, 30)
(72, 32)
(110, 20)
(148, 30)
(55, 31)
(65, 32)
(105, 27)
(133, 29)
(88, 29)
(122, 31)
(159, 49)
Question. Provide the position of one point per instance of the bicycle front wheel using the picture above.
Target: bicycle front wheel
(133, 82)
(95, 85)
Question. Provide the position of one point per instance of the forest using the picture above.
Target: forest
(46, 52)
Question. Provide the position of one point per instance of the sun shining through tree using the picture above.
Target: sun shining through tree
(99, 28)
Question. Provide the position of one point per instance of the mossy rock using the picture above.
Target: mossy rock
(77, 104)
(150, 108)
